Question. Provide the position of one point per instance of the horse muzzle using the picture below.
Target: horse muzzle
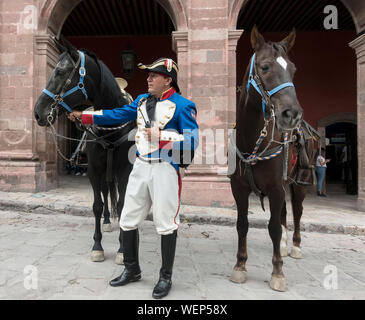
(45, 118)
(289, 118)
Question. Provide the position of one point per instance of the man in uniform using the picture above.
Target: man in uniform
(166, 138)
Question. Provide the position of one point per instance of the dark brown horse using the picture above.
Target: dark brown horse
(268, 119)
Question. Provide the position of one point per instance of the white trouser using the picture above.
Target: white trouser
(152, 184)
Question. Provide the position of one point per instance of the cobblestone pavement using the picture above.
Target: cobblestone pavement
(52, 253)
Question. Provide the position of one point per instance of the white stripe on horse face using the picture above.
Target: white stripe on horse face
(282, 62)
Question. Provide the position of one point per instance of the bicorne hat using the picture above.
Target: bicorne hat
(165, 66)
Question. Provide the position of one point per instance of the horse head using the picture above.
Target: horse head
(271, 74)
(68, 85)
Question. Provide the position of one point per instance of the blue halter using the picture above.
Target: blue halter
(58, 99)
(265, 94)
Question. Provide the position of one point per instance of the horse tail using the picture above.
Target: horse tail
(113, 192)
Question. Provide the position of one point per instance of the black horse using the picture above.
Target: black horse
(269, 120)
(79, 80)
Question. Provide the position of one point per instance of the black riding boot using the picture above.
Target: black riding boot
(132, 271)
(168, 246)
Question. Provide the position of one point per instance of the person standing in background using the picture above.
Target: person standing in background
(321, 166)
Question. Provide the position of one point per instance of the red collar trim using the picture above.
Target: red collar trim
(168, 93)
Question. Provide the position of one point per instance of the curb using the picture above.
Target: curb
(330, 228)
(41, 208)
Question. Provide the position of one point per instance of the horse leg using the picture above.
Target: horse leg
(107, 226)
(122, 186)
(276, 200)
(284, 233)
(97, 254)
(298, 195)
(241, 194)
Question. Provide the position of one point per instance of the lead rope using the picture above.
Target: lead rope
(55, 135)
(53, 130)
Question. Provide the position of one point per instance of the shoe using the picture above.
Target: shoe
(84, 174)
(162, 287)
(126, 277)
(132, 271)
(77, 174)
(318, 194)
(168, 247)
(323, 195)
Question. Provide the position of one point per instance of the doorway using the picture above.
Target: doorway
(341, 148)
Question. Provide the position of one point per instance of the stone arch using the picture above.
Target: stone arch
(355, 13)
(350, 5)
(349, 117)
(177, 13)
(54, 13)
(234, 11)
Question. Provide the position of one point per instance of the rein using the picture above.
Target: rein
(99, 139)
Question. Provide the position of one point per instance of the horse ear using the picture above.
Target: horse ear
(257, 40)
(289, 41)
(70, 48)
(59, 46)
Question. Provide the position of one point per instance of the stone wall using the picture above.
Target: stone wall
(20, 168)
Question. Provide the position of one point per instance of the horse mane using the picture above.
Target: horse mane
(110, 96)
(90, 54)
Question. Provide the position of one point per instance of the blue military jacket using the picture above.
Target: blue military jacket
(175, 117)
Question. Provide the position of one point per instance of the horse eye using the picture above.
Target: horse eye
(265, 68)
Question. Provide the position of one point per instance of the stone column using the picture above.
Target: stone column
(45, 58)
(207, 84)
(180, 46)
(359, 46)
(19, 163)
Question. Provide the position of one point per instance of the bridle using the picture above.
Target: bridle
(255, 81)
(58, 99)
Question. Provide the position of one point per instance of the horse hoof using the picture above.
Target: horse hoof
(296, 253)
(238, 276)
(284, 251)
(119, 259)
(97, 256)
(107, 227)
(278, 284)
